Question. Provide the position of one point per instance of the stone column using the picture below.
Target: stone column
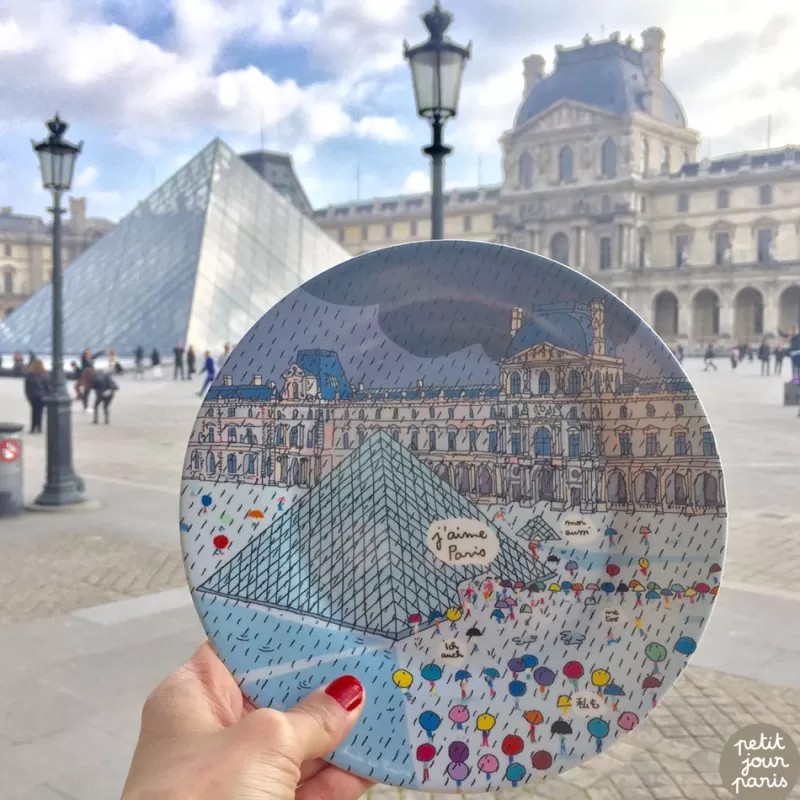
(685, 317)
(726, 317)
(536, 242)
(771, 312)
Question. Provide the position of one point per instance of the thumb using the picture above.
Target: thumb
(316, 725)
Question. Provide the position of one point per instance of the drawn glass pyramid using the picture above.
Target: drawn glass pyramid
(354, 551)
(199, 261)
(537, 528)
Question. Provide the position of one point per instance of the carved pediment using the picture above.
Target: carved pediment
(566, 114)
(543, 352)
(293, 372)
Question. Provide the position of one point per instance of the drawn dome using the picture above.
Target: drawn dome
(566, 326)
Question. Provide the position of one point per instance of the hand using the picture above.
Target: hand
(201, 739)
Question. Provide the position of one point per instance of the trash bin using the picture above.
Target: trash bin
(10, 469)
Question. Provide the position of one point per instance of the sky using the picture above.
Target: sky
(147, 83)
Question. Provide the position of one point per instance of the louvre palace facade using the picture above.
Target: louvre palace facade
(567, 427)
(601, 172)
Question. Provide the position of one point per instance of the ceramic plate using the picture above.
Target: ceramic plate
(476, 480)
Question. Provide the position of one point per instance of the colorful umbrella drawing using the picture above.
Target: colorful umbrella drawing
(488, 765)
(458, 715)
(458, 751)
(403, 680)
(484, 723)
(598, 728)
(542, 760)
(615, 692)
(608, 588)
(425, 754)
(533, 718)
(564, 702)
(436, 617)
(415, 620)
(458, 771)
(255, 515)
(651, 682)
(691, 593)
(685, 646)
(530, 662)
(667, 595)
(516, 665)
(702, 589)
(221, 542)
(628, 720)
(515, 772)
(573, 672)
(517, 689)
(644, 565)
(566, 586)
(431, 673)
(512, 746)
(571, 567)
(562, 729)
(612, 570)
(577, 588)
(429, 721)
(656, 653)
(544, 676)
(600, 677)
(714, 572)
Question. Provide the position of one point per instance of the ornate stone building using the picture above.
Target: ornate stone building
(600, 172)
(26, 257)
(565, 425)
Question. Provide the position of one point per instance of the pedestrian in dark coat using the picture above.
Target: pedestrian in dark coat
(37, 387)
(104, 387)
(763, 357)
(191, 361)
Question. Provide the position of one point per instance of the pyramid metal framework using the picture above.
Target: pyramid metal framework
(354, 550)
(199, 261)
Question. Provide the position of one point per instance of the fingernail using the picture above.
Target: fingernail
(347, 691)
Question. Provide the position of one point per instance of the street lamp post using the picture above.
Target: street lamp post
(436, 69)
(63, 487)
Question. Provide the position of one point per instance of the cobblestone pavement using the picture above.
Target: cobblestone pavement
(81, 570)
(673, 755)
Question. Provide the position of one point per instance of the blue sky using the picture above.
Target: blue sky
(147, 83)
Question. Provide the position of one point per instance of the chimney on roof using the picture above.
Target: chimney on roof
(598, 321)
(256, 381)
(420, 383)
(77, 214)
(653, 52)
(533, 72)
(516, 320)
(227, 380)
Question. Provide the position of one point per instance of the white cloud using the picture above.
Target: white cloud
(383, 129)
(86, 177)
(417, 182)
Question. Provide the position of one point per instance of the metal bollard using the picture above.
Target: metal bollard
(10, 470)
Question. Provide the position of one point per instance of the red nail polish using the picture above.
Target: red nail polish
(347, 691)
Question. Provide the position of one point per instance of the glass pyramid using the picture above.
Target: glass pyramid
(538, 529)
(354, 550)
(199, 261)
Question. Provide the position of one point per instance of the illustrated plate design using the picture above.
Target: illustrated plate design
(477, 481)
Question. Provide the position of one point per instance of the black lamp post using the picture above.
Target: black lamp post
(63, 487)
(436, 69)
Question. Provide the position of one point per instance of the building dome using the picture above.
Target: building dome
(607, 75)
(561, 325)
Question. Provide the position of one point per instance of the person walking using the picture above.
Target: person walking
(763, 357)
(780, 351)
(37, 387)
(679, 353)
(138, 360)
(104, 387)
(191, 362)
(210, 371)
(734, 357)
(794, 352)
(113, 363)
(177, 352)
(708, 359)
(223, 357)
(155, 362)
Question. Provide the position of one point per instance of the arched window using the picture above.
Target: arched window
(8, 281)
(251, 464)
(572, 413)
(609, 158)
(765, 195)
(279, 436)
(378, 412)
(210, 434)
(543, 442)
(451, 413)
(232, 464)
(451, 441)
(197, 459)
(395, 433)
(623, 412)
(362, 414)
(231, 433)
(559, 248)
(574, 382)
(211, 463)
(574, 444)
(294, 436)
(346, 440)
(565, 163)
(650, 410)
(526, 171)
(431, 439)
(485, 482)
(515, 412)
(515, 383)
(414, 439)
(362, 435)
(665, 160)
(295, 391)
(544, 382)
(678, 409)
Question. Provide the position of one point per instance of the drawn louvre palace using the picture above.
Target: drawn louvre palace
(565, 425)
